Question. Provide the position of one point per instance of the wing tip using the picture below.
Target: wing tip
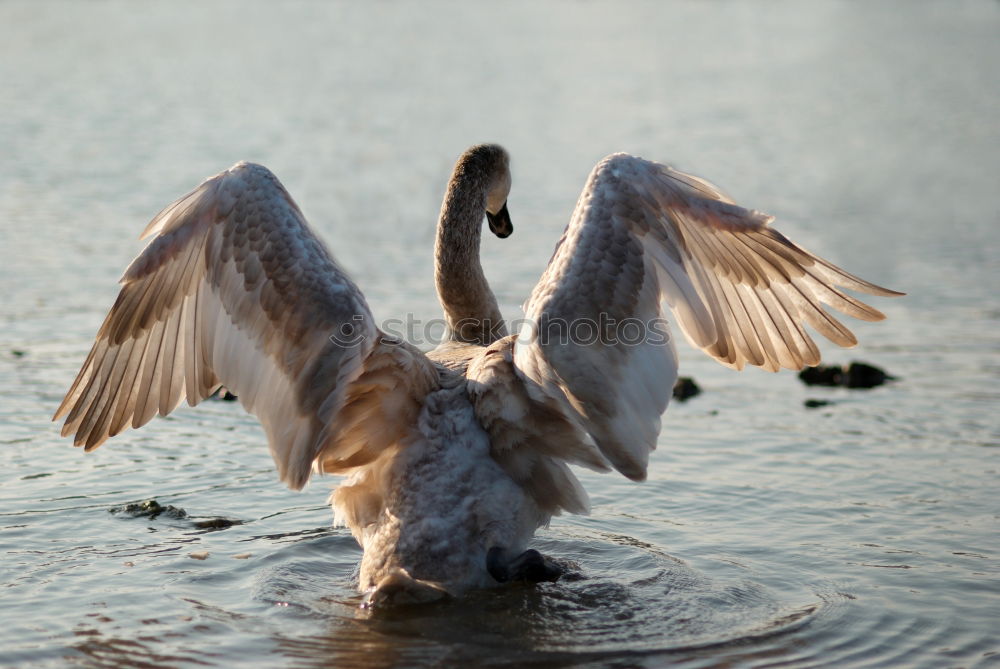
(295, 480)
(634, 474)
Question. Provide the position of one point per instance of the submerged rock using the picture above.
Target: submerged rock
(815, 404)
(149, 509)
(822, 375)
(685, 388)
(855, 375)
(862, 375)
(216, 523)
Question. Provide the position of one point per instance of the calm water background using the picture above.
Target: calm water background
(862, 533)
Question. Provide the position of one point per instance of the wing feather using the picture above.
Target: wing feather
(642, 235)
(530, 436)
(235, 289)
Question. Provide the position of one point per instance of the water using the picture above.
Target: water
(862, 533)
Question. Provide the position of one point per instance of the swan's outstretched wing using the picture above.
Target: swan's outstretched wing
(643, 233)
(234, 289)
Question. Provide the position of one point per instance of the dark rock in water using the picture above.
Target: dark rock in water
(152, 509)
(216, 523)
(855, 375)
(149, 509)
(862, 375)
(815, 404)
(17, 353)
(685, 388)
(822, 375)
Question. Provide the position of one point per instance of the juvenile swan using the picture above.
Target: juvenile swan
(453, 458)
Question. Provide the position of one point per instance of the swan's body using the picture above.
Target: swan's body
(454, 458)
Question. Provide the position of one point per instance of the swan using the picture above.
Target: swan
(455, 457)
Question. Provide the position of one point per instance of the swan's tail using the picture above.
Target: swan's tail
(398, 587)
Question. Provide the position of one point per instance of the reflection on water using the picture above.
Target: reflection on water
(859, 533)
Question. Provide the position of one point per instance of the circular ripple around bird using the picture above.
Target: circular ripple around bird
(622, 600)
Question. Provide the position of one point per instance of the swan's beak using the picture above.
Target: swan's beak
(500, 223)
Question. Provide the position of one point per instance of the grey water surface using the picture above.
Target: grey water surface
(861, 533)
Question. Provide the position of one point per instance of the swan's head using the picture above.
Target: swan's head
(491, 163)
(498, 189)
(500, 224)
(496, 201)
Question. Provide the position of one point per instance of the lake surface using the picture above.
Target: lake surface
(861, 533)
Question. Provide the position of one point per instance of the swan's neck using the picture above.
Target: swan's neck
(470, 308)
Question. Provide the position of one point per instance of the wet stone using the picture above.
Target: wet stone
(216, 523)
(815, 404)
(855, 375)
(685, 388)
(149, 508)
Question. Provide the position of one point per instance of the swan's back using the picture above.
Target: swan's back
(455, 356)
